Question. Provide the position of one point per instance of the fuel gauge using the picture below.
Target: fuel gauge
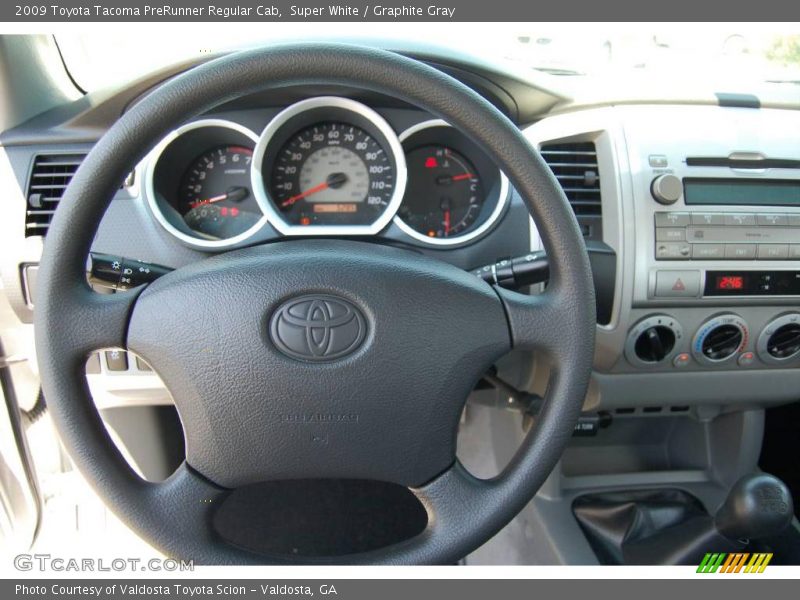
(444, 195)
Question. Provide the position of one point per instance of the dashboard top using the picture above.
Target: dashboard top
(522, 93)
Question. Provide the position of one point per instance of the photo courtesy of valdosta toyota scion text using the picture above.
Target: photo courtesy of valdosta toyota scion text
(410, 299)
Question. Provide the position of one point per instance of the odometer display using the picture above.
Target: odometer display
(331, 173)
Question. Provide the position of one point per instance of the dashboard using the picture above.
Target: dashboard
(690, 211)
(326, 165)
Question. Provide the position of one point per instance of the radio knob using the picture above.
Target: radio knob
(666, 189)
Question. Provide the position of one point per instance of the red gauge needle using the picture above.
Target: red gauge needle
(211, 200)
(317, 188)
(462, 177)
(447, 221)
(334, 181)
(234, 194)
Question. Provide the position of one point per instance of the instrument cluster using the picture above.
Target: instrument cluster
(327, 166)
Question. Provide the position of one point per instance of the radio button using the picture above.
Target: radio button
(674, 219)
(708, 219)
(773, 220)
(670, 234)
(773, 251)
(740, 251)
(673, 251)
(708, 251)
(677, 284)
(740, 219)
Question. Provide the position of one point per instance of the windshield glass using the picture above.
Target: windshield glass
(739, 53)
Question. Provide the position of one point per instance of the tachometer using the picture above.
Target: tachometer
(215, 197)
(198, 184)
(328, 166)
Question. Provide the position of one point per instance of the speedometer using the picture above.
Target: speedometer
(329, 166)
(333, 174)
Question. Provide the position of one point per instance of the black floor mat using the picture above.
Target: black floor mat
(781, 448)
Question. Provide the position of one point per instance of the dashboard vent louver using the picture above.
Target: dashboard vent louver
(575, 166)
(49, 178)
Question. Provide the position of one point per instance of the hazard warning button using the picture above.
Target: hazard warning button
(677, 284)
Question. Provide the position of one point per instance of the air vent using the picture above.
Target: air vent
(49, 178)
(575, 167)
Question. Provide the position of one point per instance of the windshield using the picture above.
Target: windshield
(744, 54)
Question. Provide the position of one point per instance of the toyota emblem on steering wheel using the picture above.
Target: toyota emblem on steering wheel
(317, 328)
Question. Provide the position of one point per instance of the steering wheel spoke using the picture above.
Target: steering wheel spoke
(109, 315)
(539, 322)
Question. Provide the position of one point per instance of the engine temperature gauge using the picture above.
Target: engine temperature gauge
(444, 196)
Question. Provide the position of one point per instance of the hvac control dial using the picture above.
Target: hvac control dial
(720, 339)
(653, 340)
(779, 342)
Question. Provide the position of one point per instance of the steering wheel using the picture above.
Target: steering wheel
(418, 334)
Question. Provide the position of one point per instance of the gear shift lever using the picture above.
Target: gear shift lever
(758, 506)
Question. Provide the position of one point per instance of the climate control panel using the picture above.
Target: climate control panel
(718, 341)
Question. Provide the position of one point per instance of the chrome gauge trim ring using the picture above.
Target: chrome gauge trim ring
(502, 201)
(259, 185)
(152, 201)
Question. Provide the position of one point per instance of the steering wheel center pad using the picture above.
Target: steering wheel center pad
(386, 410)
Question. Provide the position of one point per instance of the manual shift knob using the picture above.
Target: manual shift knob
(758, 506)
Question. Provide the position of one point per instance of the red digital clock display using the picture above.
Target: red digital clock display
(730, 282)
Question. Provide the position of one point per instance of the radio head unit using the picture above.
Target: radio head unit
(741, 192)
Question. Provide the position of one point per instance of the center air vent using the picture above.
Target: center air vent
(49, 178)
(575, 166)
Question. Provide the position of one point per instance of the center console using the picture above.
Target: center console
(702, 207)
(717, 215)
